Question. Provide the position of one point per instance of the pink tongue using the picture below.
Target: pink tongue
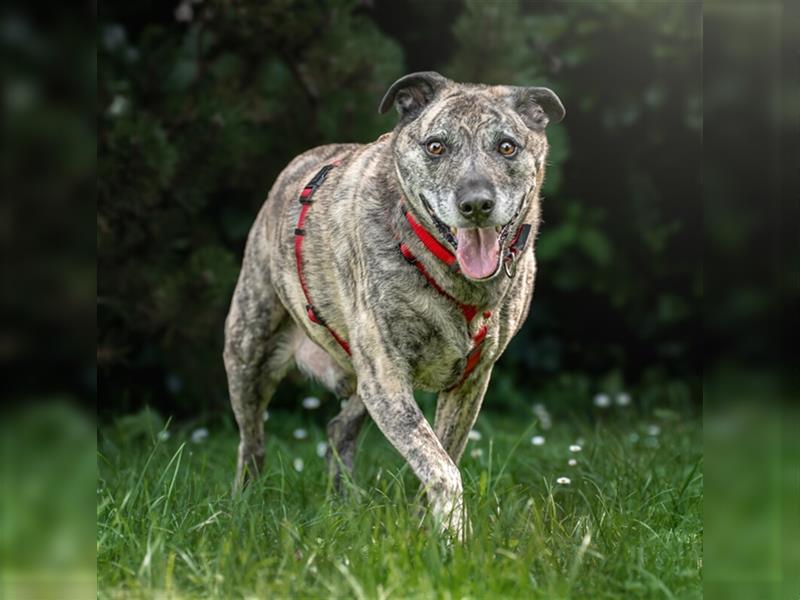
(477, 251)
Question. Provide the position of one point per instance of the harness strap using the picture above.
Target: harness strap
(299, 234)
(469, 311)
(431, 243)
(515, 249)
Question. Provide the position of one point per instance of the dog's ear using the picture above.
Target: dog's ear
(538, 106)
(412, 92)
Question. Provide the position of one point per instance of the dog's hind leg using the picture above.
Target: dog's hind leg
(343, 429)
(258, 352)
(343, 433)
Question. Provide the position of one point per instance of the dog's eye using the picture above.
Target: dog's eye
(435, 148)
(507, 148)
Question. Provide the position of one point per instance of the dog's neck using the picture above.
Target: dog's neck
(484, 294)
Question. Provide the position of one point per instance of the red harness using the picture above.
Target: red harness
(432, 244)
(299, 233)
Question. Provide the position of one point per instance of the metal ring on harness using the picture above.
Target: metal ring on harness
(510, 264)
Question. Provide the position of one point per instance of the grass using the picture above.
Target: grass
(629, 525)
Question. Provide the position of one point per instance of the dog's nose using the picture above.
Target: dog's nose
(475, 199)
(476, 207)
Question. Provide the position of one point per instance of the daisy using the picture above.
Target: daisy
(311, 403)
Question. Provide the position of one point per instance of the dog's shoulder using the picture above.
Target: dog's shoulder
(314, 158)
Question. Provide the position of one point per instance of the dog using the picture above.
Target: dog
(406, 263)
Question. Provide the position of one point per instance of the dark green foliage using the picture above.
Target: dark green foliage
(196, 123)
(197, 118)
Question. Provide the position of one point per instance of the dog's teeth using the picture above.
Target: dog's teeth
(453, 230)
(498, 229)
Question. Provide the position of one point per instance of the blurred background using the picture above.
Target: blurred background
(202, 103)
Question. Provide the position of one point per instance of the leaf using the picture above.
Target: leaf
(596, 245)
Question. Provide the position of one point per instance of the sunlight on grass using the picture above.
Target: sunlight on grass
(628, 523)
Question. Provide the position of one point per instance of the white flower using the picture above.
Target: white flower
(537, 440)
(184, 12)
(633, 437)
(575, 448)
(300, 433)
(297, 463)
(563, 481)
(199, 435)
(322, 449)
(265, 416)
(653, 430)
(623, 399)
(311, 402)
(602, 401)
(540, 410)
(476, 453)
(474, 435)
(163, 435)
(572, 462)
(118, 106)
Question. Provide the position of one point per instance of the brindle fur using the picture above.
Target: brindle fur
(403, 334)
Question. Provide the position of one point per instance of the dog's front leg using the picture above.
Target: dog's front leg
(385, 389)
(457, 410)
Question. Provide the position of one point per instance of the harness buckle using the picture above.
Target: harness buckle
(317, 180)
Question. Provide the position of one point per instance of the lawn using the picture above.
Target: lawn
(625, 523)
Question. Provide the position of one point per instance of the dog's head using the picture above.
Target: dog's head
(469, 158)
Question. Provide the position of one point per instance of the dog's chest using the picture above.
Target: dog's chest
(439, 343)
(439, 366)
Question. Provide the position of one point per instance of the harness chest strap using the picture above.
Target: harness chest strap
(468, 310)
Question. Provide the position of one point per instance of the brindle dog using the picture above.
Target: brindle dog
(465, 162)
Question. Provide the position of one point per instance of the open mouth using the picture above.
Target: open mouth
(478, 249)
